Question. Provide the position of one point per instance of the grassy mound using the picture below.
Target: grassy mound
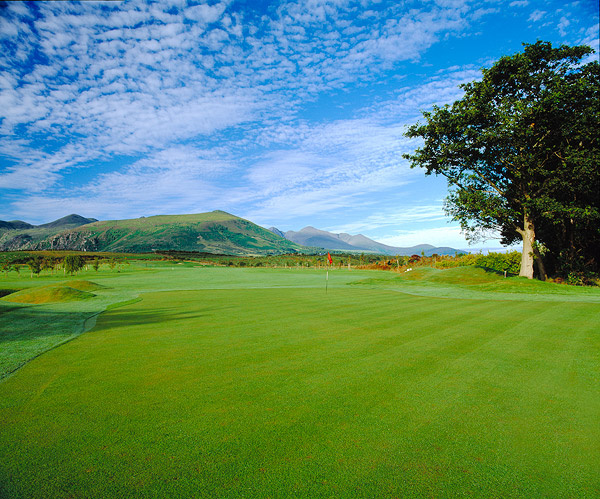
(461, 276)
(484, 280)
(83, 285)
(469, 278)
(466, 276)
(48, 294)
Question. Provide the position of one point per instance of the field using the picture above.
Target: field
(225, 382)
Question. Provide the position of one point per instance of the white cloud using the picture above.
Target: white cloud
(562, 25)
(408, 216)
(479, 13)
(205, 13)
(438, 236)
(283, 171)
(182, 178)
(536, 15)
(8, 29)
(442, 88)
(146, 95)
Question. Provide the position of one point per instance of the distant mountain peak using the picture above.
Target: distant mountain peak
(69, 220)
(310, 236)
(15, 225)
(277, 232)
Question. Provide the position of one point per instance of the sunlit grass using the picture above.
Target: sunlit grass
(270, 387)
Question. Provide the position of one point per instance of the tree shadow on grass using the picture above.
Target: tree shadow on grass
(6, 292)
(135, 317)
(5, 308)
(500, 273)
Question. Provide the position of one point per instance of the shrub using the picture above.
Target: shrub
(581, 278)
(501, 262)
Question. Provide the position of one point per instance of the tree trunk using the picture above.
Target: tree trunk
(528, 235)
(530, 253)
(540, 264)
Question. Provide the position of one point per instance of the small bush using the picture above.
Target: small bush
(501, 262)
(581, 278)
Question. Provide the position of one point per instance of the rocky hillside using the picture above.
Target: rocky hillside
(18, 235)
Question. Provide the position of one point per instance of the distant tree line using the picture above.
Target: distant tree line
(70, 264)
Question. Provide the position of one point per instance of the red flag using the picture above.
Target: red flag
(329, 258)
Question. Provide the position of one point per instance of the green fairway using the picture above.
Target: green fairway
(257, 383)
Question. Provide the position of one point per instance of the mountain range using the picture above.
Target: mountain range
(215, 232)
(309, 236)
(68, 222)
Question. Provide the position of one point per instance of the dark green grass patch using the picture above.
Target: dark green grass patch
(294, 393)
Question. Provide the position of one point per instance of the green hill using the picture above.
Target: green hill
(214, 232)
(69, 222)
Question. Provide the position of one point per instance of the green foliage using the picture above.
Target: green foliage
(48, 263)
(581, 278)
(73, 263)
(457, 261)
(520, 151)
(501, 262)
(7, 266)
(35, 264)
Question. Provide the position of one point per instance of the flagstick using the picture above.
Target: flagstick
(326, 282)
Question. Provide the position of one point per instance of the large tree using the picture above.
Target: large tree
(520, 152)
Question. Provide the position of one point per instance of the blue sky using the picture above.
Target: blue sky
(285, 113)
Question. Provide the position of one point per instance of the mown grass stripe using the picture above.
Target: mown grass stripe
(368, 393)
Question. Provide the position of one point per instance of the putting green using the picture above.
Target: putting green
(289, 392)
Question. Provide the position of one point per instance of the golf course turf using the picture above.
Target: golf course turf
(213, 382)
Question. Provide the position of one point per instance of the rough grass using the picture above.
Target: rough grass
(268, 387)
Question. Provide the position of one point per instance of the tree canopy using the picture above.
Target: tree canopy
(73, 263)
(520, 151)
